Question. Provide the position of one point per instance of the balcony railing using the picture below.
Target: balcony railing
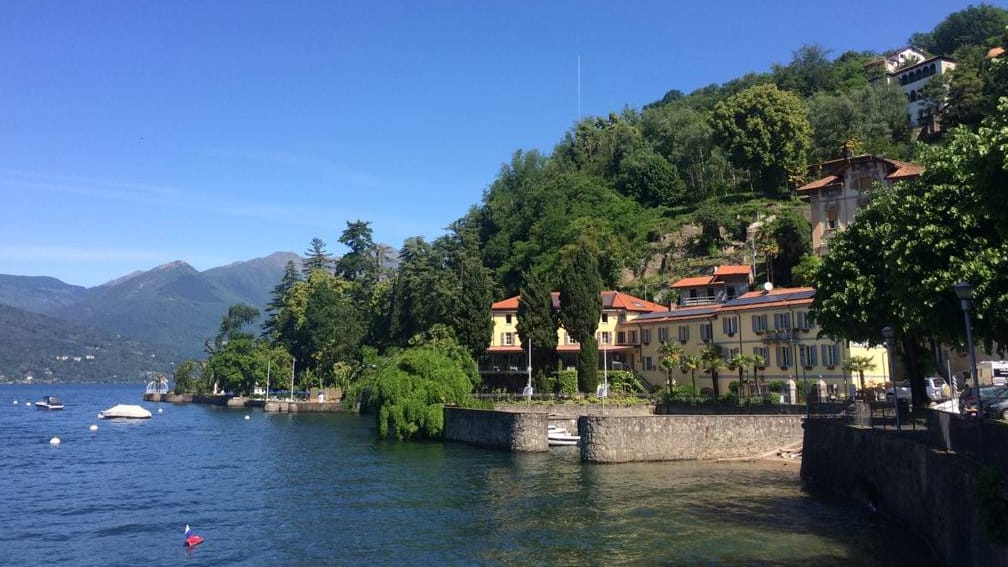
(693, 301)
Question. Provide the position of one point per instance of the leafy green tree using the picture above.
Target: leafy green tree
(981, 26)
(898, 262)
(871, 119)
(765, 130)
(683, 136)
(581, 307)
(331, 328)
(650, 179)
(188, 378)
(410, 392)
(792, 235)
(809, 72)
(537, 321)
(234, 324)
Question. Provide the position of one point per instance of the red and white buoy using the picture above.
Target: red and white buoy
(191, 539)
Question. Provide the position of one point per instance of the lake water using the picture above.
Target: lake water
(280, 489)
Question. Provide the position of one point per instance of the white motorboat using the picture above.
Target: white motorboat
(124, 411)
(558, 436)
(49, 403)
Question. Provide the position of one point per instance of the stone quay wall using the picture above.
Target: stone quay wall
(274, 406)
(514, 431)
(929, 491)
(623, 439)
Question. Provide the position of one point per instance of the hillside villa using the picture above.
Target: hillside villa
(717, 309)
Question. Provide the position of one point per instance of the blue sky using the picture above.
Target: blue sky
(137, 133)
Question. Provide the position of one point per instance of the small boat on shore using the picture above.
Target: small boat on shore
(49, 403)
(558, 437)
(124, 411)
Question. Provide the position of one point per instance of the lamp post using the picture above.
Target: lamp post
(887, 334)
(964, 291)
(527, 392)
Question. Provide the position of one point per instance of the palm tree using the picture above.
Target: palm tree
(739, 361)
(859, 364)
(672, 354)
(712, 361)
(757, 362)
(691, 363)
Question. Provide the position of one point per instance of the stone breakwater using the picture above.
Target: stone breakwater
(623, 439)
(630, 438)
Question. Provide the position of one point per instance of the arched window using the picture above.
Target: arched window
(913, 96)
(932, 68)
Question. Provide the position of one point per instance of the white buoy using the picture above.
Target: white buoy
(93, 427)
(54, 441)
(247, 418)
(15, 402)
(159, 410)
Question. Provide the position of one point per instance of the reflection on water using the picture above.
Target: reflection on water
(284, 489)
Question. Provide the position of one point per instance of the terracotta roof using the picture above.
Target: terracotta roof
(820, 183)
(619, 300)
(904, 170)
(732, 270)
(610, 300)
(510, 303)
(694, 281)
(995, 52)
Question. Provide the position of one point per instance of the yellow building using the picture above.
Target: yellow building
(506, 355)
(718, 310)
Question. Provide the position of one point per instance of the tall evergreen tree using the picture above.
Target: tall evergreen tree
(581, 306)
(278, 298)
(537, 321)
(361, 262)
(316, 257)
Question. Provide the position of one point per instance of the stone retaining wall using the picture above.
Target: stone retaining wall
(273, 406)
(513, 431)
(929, 491)
(622, 439)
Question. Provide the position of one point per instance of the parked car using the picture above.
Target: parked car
(937, 388)
(967, 399)
(997, 407)
(903, 391)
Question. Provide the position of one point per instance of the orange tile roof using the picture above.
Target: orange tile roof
(819, 183)
(610, 300)
(510, 303)
(631, 303)
(694, 281)
(732, 270)
(904, 170)
(995, 52)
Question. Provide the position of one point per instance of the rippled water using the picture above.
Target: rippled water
(281, 489)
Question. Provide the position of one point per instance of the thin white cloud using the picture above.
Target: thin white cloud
(289, 159)
(160, 196)
(77, 254)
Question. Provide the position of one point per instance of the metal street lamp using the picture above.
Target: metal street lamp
(964, 291)
(887, 334)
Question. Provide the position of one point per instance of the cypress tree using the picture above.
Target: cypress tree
(581, 307)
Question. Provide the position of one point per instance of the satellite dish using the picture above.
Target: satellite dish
(768, 286)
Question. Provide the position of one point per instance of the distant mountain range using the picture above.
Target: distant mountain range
(140, 322)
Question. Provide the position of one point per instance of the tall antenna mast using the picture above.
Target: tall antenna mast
(579, 87)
